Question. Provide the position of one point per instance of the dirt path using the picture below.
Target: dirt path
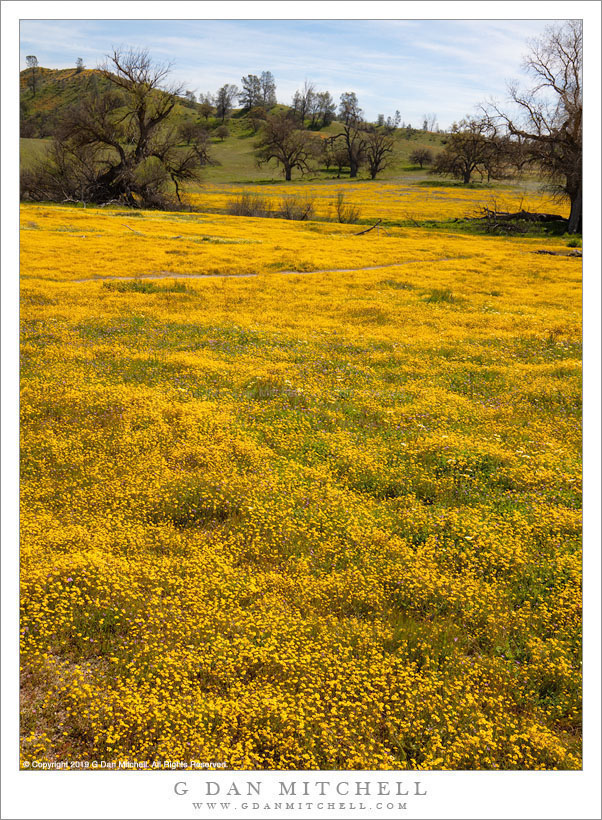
(169, 275)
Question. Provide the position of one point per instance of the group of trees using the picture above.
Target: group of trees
(472, 147)
(285, 139)
(120, 142)
(316, 106)
(364, 143)
(543, 131)
(258, 91)
(257, 96)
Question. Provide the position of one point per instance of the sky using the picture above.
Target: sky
(442, 67)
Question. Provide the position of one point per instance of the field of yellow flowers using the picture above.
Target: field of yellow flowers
(289, 521)
(385, 200)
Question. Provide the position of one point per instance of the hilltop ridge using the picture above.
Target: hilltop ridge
(233, 155)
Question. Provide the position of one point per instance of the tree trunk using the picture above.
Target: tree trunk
(287, 173)
(576, 215)
(353, 169)
(466, 177)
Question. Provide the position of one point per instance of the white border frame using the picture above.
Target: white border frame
(531, 795)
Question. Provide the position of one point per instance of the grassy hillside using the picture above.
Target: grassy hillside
(57, 90)
(234, 157)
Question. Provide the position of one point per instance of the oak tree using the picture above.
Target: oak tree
(548, 117)
(119, 142)
(378, 149)
(421, 156)
(283, 141)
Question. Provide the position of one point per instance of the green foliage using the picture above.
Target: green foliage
(141, 286)
(440, 295)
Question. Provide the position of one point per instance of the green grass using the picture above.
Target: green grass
(32, 150)
(440, 295)
(139, 286)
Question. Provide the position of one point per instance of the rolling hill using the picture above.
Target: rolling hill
(233, 157)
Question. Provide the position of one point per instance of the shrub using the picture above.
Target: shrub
(296, 207)
(345, 212)
(249, 205)
(222, 132)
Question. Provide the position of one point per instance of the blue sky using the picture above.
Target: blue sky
(444, 67)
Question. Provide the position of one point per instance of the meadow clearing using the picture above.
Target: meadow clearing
(289, 521)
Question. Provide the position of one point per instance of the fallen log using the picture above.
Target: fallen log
(368, 229)
(139, 233)
(527, 216)
(559, 253)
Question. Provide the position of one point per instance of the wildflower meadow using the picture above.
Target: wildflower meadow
(298, 498)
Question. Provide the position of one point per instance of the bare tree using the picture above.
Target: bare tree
(517, 153)
(421, 156)
(429, 122)
(548, 116)
(378, 150)
(467, 149)
(120, 144)
(224, 100)
(304, 101)
(79, 65)
(32, 62)
(283, 141)
(352, 134)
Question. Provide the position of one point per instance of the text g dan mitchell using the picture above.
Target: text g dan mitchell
(304, 788)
